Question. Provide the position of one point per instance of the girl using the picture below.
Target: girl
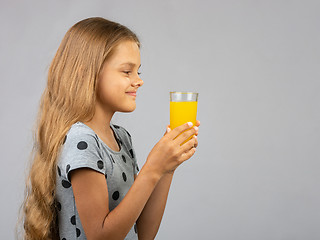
(83, 182)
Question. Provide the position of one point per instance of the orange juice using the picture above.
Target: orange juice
(182, 112)
(183, 108)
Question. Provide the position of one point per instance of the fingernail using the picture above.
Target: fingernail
(196, 128)
(190, 124)
(168, 130)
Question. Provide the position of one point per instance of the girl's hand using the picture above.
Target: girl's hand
(169, 152)
(197, 125)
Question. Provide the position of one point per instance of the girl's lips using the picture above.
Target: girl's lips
(132, 93)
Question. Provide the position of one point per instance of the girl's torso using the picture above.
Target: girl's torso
(83, 148)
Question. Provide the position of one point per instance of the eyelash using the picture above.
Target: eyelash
(127, 72)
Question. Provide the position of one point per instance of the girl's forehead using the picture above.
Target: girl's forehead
(126, 52)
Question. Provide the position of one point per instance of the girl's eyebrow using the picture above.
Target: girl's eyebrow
(131, 64)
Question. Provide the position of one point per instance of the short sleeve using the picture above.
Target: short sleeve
(81, 149)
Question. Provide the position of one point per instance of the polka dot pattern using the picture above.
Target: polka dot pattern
(100, 164)
(124, 176)
(90, 150)
(66, 184)
(82, 145)
(73, 220)
(78, 232)
(115, 195)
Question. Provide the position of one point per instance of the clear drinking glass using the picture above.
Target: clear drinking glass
(183, 108)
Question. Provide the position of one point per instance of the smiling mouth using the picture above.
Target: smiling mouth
(132, 94)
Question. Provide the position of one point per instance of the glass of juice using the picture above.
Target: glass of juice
(183, 108)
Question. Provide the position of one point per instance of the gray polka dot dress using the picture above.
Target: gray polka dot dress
(83, 148)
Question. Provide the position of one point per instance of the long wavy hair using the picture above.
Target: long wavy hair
(70, 96)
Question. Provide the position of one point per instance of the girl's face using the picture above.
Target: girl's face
(119, 79)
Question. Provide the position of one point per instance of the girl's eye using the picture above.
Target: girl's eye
(128, 72)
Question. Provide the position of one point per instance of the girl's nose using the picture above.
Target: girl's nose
(138, 82)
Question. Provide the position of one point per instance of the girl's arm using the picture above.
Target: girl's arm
(149, 221)
(92, 201)
(91, 194)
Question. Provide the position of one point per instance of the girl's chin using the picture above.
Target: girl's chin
(129, 109)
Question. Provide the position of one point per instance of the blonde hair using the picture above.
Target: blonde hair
(69, 96)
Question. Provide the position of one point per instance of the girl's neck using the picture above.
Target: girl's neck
(100, 123)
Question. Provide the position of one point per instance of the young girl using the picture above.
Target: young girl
(84, 181)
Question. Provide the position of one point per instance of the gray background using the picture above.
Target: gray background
(256, 66)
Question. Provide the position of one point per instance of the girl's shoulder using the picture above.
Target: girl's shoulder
(79, 131)
(81, 149)
(80, 127)
(82, 136)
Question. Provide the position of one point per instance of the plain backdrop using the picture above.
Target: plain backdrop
(256, 66)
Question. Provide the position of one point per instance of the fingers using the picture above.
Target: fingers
(192, 143)
(178, 130)
(196, 143)
(186, 135)
(188, 149)
(167, 130)
(185, 156)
